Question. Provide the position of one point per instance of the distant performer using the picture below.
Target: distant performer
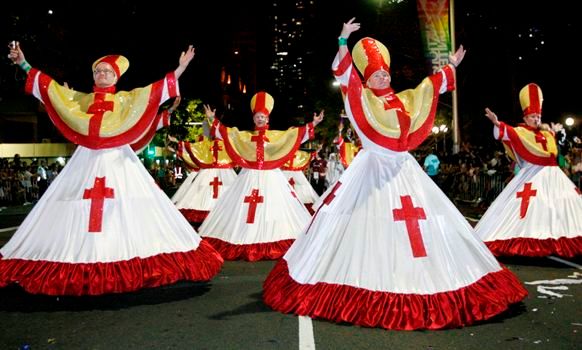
(539, 213)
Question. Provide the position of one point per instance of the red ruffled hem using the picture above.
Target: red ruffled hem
(250, 252)
(482, 300)
(530, 247)
(194, 216)
(55, 278)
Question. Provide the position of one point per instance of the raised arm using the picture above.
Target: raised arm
(185, 58)
(210, 113)
(348, 28)
(17, 56)
(456, 58)
(317, 118)
(492, 116)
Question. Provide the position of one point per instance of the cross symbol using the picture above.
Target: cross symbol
(326, 201)
(260, 139)
(97, 195)
(292, 182)
(525, 196)
(411, 216)
(98, 109)
(540, 138)
(215, 183)
(254, 199)
(215, 149)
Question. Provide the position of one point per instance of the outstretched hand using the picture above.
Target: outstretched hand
(185, 58)
(15, 55)
(492, 116)
(456, 58)
(317, 118)
(349, 27)
(210, 113)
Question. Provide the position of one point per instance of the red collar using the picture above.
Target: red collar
(110, 89)
(260, 128)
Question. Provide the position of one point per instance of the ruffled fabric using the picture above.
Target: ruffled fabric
(479, 301)
(250, 252)
(194, 216)
(54, 278)
(532, 247)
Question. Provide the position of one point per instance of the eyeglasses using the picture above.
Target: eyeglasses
(105, 71)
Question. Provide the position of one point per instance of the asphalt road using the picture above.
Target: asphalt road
(228, 313)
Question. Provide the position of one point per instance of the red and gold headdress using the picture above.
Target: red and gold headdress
(531, 98)
(262, 102)
(117, 62)
(370, 55)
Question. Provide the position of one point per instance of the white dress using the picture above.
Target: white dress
(103, 226)
(387, 248)
(179, 194)
(214, 178)
(539, 212)
(294, 172)
(260, 216)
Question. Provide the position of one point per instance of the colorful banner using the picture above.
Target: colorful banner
(434, 27)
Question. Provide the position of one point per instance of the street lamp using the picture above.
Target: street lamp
(569, 121)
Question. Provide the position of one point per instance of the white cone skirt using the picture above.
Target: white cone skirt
(387, 248)
(302, 187)
(104, 226)
(258, 218)
(184, 187)
(203, 193)
(539, 213)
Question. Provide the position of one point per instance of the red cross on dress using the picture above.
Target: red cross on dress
(411, 216)
(541, 139)
(98, 109)
(215, 149)
(254, 199)
(292, 182)
(215, 183)
(97, 195)
(326, 201)
(260, 139)
(525, 195)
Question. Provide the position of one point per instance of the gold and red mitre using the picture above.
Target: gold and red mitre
(369, 55)
(262, 102)
(119, 63)
(531, 98)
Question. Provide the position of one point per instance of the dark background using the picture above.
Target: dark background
(501, 56)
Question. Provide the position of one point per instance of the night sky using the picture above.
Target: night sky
(504, 49)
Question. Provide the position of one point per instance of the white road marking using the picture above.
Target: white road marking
(306, 339)
(566, 262)
(548, 287)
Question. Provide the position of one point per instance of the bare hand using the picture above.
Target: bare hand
(15, 55)
(175, 104)
(187, 56)
(492, 116)
(210, 113)
(557, 127)
(456, 58)
(349, 27)
(317, 118)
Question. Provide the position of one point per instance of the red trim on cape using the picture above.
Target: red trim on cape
(97, 142)
(264, 165)
(531, 247)
(344, 64)
(149, 135)
(57, 278)
(250, 252)
(519, 148)
(406, 141)
(202, 165)
(481, 300)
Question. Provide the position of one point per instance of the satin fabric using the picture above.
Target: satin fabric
(279, 219)
(179, 194)
(302, 187)
(355, 262)
(143, 241)
(199, 199)
(552, 224)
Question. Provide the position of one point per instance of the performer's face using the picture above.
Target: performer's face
(104, 75)
(380, 79)
(260, 119)
(533, 120)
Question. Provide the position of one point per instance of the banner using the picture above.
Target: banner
(434, 27)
